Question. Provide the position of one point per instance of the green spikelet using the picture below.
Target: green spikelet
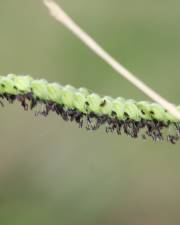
(91, 109)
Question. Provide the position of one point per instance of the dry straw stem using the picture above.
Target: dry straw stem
(58, 13)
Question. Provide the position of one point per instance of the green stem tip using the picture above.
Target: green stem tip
(91, 109)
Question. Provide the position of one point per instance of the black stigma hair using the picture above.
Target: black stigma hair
(92, 121)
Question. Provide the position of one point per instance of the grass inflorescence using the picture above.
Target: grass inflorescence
(92, 110)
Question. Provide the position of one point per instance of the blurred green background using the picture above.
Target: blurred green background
(51, 172)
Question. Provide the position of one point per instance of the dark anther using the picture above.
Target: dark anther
(126, 114)
(172, 139)
(22, 99)
(103, 103)
(87, 103)
(142, 112)
(113, 113)
(33, 103)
